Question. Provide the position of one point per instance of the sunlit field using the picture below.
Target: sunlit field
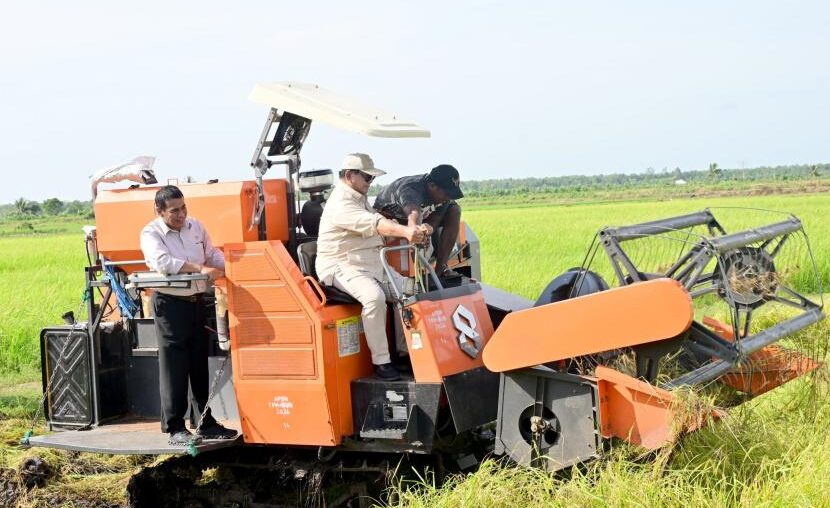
(769, 452)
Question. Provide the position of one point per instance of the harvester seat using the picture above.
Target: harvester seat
(306, 256)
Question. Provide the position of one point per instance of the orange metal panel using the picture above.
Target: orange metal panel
(282, 328)
(633, 410)
(225, 208)
(295, 413)
(433, 339)
(276, 363)
(620, 317)
(263, 296)
(765, 369)
(283, 408)
(639, 412)
(276, 209)
(279, 387)
(769, 368)
(250, 265)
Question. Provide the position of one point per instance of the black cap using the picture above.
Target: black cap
(446, 177)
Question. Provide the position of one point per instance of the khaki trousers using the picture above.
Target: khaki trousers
(373, 297)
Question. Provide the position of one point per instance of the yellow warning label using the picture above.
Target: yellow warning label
(348, 336)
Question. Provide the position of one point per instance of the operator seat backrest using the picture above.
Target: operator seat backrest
(307, 255)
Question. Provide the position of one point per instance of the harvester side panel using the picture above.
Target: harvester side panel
(547, 419)
(449, 329)
(225, 208)
(634, 410)
(620, 317)
(293, 358)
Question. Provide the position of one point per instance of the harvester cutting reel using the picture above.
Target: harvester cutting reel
(687, 305)
(735, 276)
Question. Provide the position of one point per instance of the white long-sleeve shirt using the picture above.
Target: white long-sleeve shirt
(166, 250)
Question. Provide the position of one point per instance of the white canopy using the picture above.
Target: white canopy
(321, 105)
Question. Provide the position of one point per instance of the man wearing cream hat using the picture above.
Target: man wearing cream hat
(348, 253)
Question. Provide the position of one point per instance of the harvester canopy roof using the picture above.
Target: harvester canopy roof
(321, 105)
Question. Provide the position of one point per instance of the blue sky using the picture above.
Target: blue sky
(507, 88)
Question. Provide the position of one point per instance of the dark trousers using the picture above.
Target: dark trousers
(183, 357)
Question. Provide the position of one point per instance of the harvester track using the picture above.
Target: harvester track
(259, 478)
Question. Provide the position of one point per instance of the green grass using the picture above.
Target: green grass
(42, 225)
(522, 249)
(770, 452)
(41, 277)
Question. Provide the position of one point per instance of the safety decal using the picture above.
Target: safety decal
(348, 336)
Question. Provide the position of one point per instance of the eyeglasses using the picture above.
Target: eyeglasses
(366, 176)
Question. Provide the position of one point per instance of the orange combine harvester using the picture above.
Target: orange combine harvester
(547, 383)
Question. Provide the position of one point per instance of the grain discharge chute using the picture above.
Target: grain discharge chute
(656, 308)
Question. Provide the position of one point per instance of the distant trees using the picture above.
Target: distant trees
(25, 207)
(814, 172)
(52, 206)
(77, 208)
(712, 175)
(714, 171)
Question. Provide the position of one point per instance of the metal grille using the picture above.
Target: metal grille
(70, 398)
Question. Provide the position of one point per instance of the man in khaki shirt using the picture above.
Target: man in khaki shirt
(348, 252)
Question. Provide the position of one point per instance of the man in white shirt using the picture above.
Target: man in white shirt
(174, 243)
(348, 253)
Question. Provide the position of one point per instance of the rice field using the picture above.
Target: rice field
(770, 452)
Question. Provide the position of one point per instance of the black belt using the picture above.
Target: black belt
(197, 298)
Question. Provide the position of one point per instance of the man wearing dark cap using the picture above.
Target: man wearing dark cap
(428, 199)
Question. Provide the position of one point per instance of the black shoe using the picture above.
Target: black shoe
(182, 438)
(404, 364)
(217, 431)
(387, 372)
(448, 273)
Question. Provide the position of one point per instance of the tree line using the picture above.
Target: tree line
(24, 208)
(648, 178)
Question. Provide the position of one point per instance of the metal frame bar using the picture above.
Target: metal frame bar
(745, 347)
(625, 233)
(689, 270)
(725, 243)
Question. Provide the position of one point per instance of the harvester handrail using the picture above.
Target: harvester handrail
(315, 286)
(390, 275)
(125, 263)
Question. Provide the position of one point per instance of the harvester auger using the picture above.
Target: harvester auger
(732, 277)
(291, 369)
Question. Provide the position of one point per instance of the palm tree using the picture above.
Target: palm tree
(21, 204)
(714, 171)
(26, 207)
(814, 172)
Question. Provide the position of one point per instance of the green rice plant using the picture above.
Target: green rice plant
(770, 451)
(40, 279)
(524, 248)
